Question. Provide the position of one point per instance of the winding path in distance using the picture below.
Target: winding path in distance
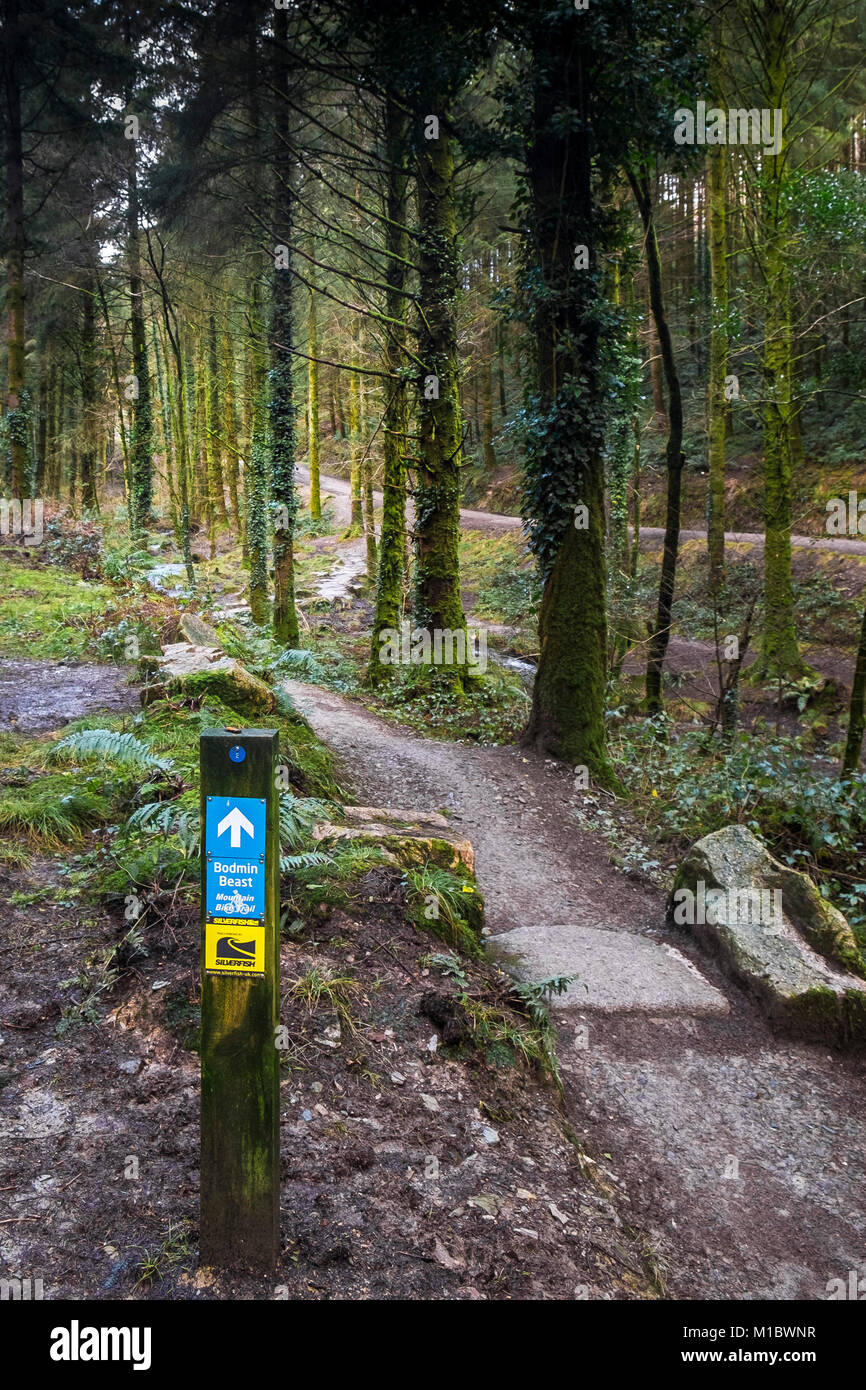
(491, 522)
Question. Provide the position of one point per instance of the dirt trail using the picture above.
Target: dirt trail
(473, 520)
(40, 695)
(740, 1152)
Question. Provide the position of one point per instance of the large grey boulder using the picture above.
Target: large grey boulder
(195, 671)
(774, 933)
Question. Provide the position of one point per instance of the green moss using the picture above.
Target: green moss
(821, 1013)
(233, 686)
(49, 613)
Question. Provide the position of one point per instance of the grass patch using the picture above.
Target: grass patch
(449, 907)
(49, 613)
(55, 810)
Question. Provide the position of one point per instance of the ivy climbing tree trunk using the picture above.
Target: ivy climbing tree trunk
(486, 369)
(564, 493)
(438, 605)
(213, 419)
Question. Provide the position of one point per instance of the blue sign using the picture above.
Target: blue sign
(235, 840)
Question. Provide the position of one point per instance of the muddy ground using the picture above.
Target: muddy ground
(406, 1172)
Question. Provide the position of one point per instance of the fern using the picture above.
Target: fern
(122, 750)
(294, 863)
(298, 815)
(170, 818)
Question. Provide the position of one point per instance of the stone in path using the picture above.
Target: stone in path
(774, 934)
(618, 971)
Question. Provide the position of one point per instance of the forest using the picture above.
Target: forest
(476, 396)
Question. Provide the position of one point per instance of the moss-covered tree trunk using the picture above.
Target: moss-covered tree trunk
(230, 429)
(660, 637)
(564, 499)
(438, 605)
(216, 481)
(313, 408)
(356, 519)
(367, 488)
(779, 658)
(283, 434)
(211, 441)
(716, 404)
(486, 369)
(390, 575)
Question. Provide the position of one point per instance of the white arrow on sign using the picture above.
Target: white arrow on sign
(236, 821)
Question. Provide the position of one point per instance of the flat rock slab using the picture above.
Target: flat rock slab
(410, 837)
(618, 971)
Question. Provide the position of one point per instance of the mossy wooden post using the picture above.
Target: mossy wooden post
(240, 1135)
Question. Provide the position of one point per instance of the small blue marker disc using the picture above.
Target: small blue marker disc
(237, 754)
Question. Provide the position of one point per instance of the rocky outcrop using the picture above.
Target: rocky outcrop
(194, 671)
(410, 837)
(774, 933)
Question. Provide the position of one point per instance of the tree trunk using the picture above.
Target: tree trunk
(857, 710)
(389, 581)
(16, 395)
(257, 461)
(674, 454)
(313, 409)
(230, 432)
(356, 521)
(779, 658)
(486, 369)
(438, 605)
(140, 481)
(88, 394)
(716, 403)
(565, 468)
(282, 402)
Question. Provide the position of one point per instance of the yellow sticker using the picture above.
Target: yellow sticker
(234, 947)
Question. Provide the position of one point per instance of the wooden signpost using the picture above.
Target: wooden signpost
(240, 963)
